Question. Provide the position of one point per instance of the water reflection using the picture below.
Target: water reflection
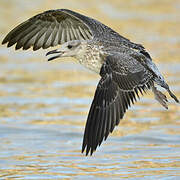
(44, 105)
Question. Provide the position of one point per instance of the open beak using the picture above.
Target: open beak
(54, 52)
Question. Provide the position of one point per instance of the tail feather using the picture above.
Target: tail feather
(160, 97)
(172, 95)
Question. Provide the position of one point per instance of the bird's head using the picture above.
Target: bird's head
(68, 49)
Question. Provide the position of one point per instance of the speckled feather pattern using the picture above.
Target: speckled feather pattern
(126, 68)
(91, 56)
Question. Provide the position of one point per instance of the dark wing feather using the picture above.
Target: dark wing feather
(105, 96)
(58, 26)
(121, 80)
(49, 29)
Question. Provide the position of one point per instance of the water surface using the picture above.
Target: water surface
(44, 105)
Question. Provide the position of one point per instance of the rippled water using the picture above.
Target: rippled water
(44, 105)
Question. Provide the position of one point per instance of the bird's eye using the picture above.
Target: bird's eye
(69, 46)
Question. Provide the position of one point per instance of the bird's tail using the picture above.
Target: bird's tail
(161, 98)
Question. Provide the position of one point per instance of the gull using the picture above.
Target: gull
(126, 69)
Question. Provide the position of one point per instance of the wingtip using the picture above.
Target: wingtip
(92, 150)
(177, 100)
(7, 41)
(6, 38)
(9, 44)
(82, 150)
(4, 41)
(87, 150)
(87, 153)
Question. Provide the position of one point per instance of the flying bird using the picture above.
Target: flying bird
(126, 69)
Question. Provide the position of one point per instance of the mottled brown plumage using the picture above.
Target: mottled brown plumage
(126, 69)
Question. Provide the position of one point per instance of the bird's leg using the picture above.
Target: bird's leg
(160, 97)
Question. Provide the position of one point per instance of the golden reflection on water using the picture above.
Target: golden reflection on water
(44, 105)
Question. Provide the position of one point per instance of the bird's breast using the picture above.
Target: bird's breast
(91, 60)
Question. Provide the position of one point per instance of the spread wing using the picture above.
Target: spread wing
(122, 78)
(54, 27)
